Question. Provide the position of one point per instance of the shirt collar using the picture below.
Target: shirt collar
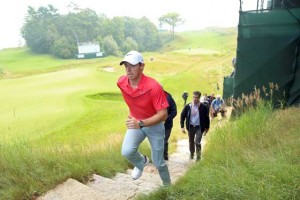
(140, 85)
(198, 104)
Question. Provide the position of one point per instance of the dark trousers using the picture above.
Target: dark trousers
(222, 111)
(195, 137)
(166, 144)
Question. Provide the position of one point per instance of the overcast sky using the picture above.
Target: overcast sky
(198, 14)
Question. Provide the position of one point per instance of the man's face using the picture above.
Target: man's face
(134, 71)
(196, 99)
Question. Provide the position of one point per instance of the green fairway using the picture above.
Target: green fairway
(36, 105)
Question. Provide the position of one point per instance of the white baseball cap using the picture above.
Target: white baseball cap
(133, 57)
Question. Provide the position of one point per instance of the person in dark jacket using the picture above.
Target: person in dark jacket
(172, 112)
(196, 117)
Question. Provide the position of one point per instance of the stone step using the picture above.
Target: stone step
(71, 190)
(112, 189)
(122, 186)
(146, 184)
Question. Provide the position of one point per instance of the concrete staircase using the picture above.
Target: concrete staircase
(122, 187)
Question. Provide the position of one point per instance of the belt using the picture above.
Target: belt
(193, 126)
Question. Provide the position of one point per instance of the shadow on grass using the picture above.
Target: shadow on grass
(106, 96)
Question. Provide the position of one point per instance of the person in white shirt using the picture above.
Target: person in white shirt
(196, 117)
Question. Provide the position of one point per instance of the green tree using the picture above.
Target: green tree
(150, 40)
(110, 46)
(143, 32)
(172, 19)
(115, 28)
(45, 31)
(63, 49)
(39, 30)
(129, 44)
(84, 26)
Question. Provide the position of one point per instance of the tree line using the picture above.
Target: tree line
(48, 32)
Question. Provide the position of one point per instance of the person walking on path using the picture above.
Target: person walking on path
(147, 105)
(172, 112)
(196, 118)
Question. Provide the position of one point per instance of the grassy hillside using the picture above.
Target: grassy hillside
(74, 107)
(254, 157)
(210, 39)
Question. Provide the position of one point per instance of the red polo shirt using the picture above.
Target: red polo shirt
(145, 100)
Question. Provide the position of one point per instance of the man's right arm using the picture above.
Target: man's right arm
(182, 118)
(160, 116)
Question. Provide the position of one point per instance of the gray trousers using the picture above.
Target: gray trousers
(155, 134)
(195, 136)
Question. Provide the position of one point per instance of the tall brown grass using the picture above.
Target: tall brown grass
(247, 102)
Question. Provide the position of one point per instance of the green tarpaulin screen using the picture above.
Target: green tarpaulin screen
(228, 87)
(268, 52)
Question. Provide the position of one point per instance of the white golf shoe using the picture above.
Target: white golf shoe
(136, 173)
